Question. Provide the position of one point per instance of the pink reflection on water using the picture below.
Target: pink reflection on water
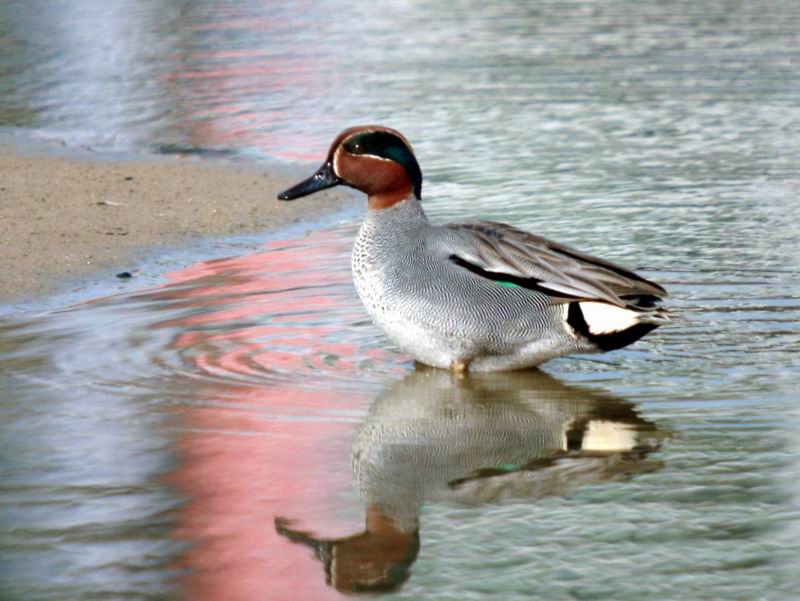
(238, 23)
(269, 70)
(270, 432)
(240, 95)
(239, 471)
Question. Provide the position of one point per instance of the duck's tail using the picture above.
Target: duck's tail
(610, 327)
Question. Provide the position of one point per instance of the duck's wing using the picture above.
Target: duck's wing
(505, 254)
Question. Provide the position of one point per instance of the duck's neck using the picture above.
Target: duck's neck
(389, 198)
(406, 210)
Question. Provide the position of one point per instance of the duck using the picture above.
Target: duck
(475, 296)
(482, 439)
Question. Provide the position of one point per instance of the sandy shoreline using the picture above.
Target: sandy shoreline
(65, 218)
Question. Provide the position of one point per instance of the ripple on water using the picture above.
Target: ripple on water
(157, 435)
(244, 384)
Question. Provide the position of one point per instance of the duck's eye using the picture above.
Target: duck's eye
(357, 148)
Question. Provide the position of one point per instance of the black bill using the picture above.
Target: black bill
(322, 179)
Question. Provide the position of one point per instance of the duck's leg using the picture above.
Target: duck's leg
(459, 368)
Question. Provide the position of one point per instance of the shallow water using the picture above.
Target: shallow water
(180, 438)
(242, 431)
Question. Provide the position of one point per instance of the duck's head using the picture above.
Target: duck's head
(374, 159)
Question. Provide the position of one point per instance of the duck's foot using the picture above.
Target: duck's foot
(459, 368)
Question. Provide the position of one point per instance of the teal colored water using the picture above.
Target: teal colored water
(242, 431)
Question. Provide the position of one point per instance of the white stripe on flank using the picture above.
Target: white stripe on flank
(603, 318)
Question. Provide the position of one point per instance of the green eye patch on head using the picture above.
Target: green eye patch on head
(386, 145)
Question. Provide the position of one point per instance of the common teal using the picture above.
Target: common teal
(485, 438)
(483, 296)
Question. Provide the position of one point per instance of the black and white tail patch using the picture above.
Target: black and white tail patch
(607, 326)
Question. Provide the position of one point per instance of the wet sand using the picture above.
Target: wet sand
(64, 218)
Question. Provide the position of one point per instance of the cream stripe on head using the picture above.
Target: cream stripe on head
(340, 149)
(355, 131)
(359, 130)
(336, 171)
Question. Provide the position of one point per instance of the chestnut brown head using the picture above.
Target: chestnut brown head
(376, 560)
(376, 160)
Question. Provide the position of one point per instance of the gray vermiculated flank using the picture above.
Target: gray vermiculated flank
(427, 438)
(440, 312)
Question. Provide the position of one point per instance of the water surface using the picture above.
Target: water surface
(243, 431)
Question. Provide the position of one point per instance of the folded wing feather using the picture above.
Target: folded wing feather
(498, 248)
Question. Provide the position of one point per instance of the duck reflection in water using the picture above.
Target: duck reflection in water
(483, 438)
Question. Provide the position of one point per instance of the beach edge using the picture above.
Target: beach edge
(70, 219)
